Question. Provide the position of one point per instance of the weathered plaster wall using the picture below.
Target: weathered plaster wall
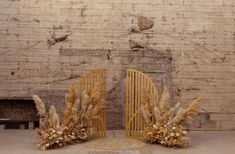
(47, 44)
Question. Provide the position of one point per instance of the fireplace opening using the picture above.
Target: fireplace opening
(18, 114)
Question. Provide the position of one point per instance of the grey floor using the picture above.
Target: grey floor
(203, 142)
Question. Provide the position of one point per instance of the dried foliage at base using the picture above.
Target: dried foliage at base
(76, 121)
(165, 124)
(62, 136)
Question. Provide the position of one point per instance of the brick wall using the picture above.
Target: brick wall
(47, 44)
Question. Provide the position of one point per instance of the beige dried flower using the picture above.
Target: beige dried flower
(74, 126)
(164, 124)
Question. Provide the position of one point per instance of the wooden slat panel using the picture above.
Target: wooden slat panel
(136, 83)
(88, 82)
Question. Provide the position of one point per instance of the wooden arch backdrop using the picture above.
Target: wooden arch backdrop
(136, 84)
(87, 83)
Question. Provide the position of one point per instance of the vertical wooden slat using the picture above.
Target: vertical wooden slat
(135, 95)
(138, 105)
(92, 78)
(141, 94)
(99, 80)
(130, 103)
(104, 98)
(145, 88)
(127, 103)
(103, 76)
(131, 100)
(133, 105)
(86, 83)
(105, 85)
(139, 101)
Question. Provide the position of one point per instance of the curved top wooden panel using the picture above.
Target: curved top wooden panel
(136, 84)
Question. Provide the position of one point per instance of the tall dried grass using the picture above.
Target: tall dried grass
(165, 124)
(76, 121)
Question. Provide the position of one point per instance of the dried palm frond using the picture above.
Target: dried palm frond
(53, 120)
(72, 101)
(157, 114)
(43, 123)
(72, 95)
(148, 100)
(40, 106)
(164, 100)
(186, 116)
(84, 106)
(146, 114)
(97, 109)
(147, 107)
(85, 101)
(92, 106)
(173, 110)
(95, 93)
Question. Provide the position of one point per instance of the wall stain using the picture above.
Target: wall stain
(53, 41)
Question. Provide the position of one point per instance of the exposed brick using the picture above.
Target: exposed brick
(144, 23)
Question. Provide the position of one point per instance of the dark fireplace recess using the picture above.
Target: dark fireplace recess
(18, 114)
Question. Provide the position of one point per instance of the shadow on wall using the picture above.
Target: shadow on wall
(157, 64)
(159, 69)
(18, 113)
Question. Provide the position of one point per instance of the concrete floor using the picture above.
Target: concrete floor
(203, 142)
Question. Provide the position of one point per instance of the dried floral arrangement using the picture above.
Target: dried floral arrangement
(75, 124)
(164, 125)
